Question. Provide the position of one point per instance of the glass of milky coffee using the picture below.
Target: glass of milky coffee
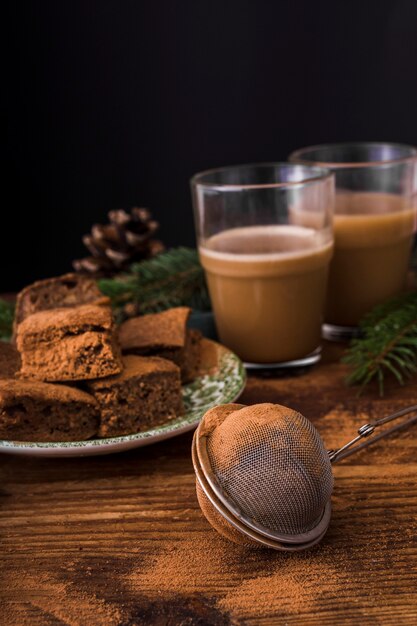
(374, 221)
(265, 241)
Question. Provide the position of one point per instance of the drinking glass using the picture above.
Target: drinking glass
(265, 240)
(374, 221)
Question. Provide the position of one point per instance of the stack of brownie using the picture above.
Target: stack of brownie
(73, 375)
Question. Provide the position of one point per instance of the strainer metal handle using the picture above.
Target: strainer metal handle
(368, 429)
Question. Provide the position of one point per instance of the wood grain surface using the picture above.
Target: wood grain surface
(120, 540)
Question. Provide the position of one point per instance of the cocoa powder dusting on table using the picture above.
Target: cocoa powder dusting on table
(201, 565)
(51, 597)
(195, 564)
(293, 587)
(255, 584)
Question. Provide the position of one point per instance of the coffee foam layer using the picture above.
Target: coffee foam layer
(265, 243)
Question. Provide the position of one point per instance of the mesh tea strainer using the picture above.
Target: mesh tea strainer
(264, 476)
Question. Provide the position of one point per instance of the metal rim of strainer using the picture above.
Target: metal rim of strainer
(232, 514)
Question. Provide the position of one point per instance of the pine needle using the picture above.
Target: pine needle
(388, 344)
(172, 278)
(6, 319)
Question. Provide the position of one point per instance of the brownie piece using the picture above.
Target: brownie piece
(57, 292)
(69, 344)
(166, 335)
(35, 411)
(192, 355)
(145, 394)
(9, 360)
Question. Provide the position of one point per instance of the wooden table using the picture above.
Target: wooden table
(121, 539)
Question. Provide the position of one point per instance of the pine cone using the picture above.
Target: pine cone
(113, 247)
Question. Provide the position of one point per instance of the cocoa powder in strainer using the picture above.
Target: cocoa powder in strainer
(270, 463)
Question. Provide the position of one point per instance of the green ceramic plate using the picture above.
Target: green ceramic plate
(221, 380)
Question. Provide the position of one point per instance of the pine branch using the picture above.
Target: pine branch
(173, 278)
(6, 319)
(388, 343)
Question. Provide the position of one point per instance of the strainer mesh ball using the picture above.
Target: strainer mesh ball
(271, 463)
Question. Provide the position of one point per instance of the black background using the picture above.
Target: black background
(113, 104)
